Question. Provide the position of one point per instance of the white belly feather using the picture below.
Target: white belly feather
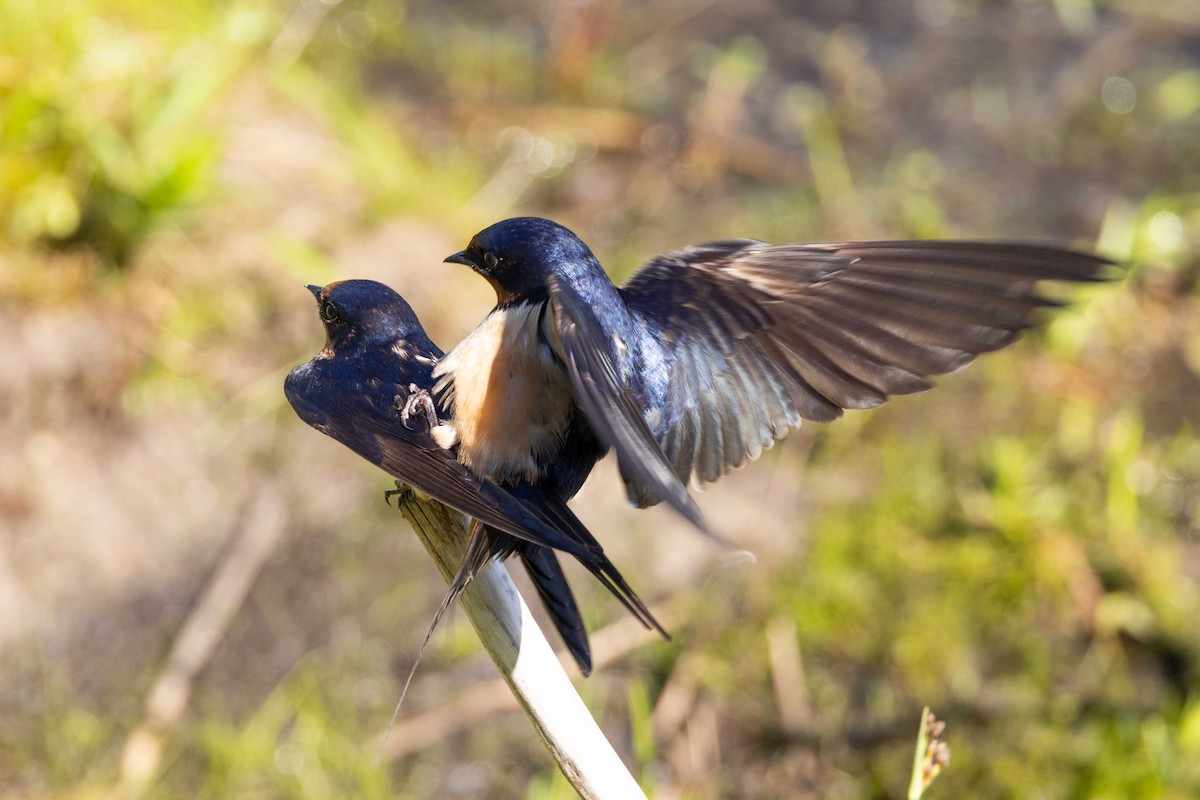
(508, 397)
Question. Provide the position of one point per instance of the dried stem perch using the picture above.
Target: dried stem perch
(525, 659)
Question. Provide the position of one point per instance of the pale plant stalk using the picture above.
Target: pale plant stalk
(526, 661)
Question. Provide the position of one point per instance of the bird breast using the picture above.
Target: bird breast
(509, 397)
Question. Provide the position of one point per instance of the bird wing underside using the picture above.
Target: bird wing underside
(762, 336)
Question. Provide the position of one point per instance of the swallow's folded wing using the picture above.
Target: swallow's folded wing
(360, 417)
(363, 422)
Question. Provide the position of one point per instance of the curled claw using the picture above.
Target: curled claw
(419, 402)
(401, 489)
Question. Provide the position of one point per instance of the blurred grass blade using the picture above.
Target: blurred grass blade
(931, 757)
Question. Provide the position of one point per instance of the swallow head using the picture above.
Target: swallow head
(364, 312)
(517, 256)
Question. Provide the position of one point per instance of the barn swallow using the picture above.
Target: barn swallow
(357, 389)
(709, 354)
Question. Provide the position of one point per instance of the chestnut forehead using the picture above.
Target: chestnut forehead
(329, 289)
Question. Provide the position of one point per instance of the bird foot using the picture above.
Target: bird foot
(402, 489)
(419, 402)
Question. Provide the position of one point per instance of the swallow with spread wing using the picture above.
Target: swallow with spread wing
(376, 357)
(709, 354)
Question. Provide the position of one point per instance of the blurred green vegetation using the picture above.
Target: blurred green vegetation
(1019, 550)
(105, 131)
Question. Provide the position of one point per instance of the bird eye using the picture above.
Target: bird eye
(491, 260)
(330, 312)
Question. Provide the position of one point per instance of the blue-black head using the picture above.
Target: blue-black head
(518, 255)
(362, 313)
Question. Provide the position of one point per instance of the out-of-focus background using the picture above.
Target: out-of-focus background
(200, 596)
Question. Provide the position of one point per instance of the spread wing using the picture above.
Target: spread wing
(609, 403)
(761, 336)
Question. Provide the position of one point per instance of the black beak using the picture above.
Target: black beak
(461, 257)
(316, 290)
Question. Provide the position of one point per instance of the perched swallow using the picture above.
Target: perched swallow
(356, 390)
(709, 354)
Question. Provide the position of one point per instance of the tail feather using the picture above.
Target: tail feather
(561, 518)
(551, 584)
